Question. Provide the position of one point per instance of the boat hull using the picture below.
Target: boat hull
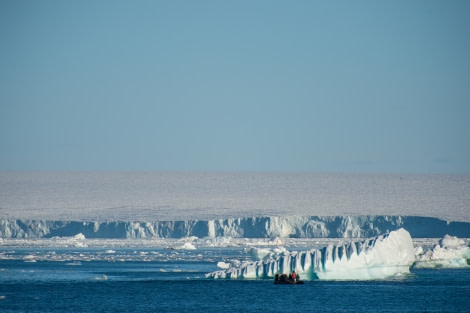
(288, 282)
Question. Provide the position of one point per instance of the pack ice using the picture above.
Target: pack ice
(376, 258)
(450, 252)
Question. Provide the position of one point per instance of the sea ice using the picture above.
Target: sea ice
(187, 246)
(260, 253)
(223, 265)
(451, 252)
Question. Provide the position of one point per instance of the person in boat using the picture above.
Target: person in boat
(293, 276)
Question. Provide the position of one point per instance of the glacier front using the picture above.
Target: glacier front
(377, 258)
(295, 226)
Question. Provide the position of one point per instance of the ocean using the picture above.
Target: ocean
(166, 276)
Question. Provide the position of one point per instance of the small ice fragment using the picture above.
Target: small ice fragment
(223, 265)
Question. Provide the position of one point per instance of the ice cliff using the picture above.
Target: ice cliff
(249, 227)
(377, 258)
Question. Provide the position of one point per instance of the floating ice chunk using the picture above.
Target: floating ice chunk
(451, 252)
(79, 241)
(76, 241)
(79, 236)
(187, 246)
(260, 253)
(29, 258)
(280, 250)
(451, 241)
(223, 265)
(102, 277)
(377, 258)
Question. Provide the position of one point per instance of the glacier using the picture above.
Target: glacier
(381, 257)
(296, 226)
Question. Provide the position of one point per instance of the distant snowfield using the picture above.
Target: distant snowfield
(170, 196)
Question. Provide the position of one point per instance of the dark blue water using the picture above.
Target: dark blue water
(179, 285)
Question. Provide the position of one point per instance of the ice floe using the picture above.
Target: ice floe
(450, 252)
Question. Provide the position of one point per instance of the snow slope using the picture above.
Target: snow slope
(250, 227)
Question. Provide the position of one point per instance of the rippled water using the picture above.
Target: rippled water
(143, 279)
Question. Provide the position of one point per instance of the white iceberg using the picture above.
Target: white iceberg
(79, 236)
(78, 240)
(29, 258)
(260, 253)
(187, 246)
(376, 258)
(223, 265)
(451, 252)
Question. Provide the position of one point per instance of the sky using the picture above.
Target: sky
(301, 86)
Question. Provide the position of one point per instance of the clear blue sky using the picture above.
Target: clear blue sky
(323, 86)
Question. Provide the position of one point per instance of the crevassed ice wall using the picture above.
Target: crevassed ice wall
(251, 227)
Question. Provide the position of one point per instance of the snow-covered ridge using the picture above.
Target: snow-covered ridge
(250, 227)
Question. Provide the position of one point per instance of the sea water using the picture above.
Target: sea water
(123, 276)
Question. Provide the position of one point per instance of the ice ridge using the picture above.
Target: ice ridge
(249, 227)
(376, 258)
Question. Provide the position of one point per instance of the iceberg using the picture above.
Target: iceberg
(381, 257)
(223, 265)
(77, 240)
(260, 253)
(187, 246)
(451, 252)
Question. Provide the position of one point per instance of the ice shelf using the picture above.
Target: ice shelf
(362, 226)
